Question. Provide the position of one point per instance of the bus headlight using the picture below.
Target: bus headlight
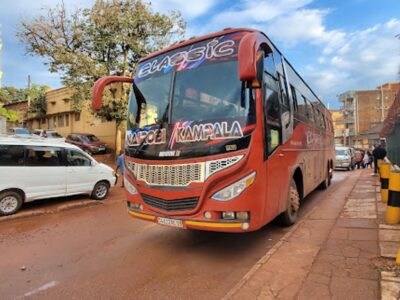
(235, 189)
(130, 187)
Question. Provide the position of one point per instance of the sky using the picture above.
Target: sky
(336, 46)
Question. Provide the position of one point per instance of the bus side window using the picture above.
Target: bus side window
(310, 111)
(294, 95)
(269, 64)
(284, 96)
(272, 113)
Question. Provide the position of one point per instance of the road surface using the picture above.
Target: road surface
(100, 252)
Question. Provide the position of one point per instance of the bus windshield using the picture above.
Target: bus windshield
(212, 92)
(189, 108)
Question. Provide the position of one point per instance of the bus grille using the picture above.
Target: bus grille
(168, 175)
(181, 174)
(171, 205)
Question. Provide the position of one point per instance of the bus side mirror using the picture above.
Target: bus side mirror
(99, 86)
(251, 62)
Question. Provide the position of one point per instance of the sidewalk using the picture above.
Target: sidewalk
(332, 253)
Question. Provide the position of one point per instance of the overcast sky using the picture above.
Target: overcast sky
(335, 45)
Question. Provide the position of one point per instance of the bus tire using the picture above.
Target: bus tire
(327, 181)
(289, 216)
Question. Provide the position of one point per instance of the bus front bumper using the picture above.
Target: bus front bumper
(211, 225)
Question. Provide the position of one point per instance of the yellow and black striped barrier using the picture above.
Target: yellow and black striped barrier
(385, 173)
(393, 208)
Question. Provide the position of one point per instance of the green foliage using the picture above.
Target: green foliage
(36, 94)
(106, 39)
(10, 93)
(38, 105)
(8, 113)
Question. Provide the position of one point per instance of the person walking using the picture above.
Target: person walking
(120, 165)
(378, 153)
(366, 160)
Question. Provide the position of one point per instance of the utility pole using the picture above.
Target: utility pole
(382, 106)
(29, 89)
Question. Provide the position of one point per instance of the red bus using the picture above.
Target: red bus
(222, 134)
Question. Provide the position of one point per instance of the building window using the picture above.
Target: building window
(67, 120)
(77, 116)
(61, 121)
(55, 121)
(43, 120)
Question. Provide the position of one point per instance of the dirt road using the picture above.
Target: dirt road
(99, 252)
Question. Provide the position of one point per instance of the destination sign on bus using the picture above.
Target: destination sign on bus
(223, 47)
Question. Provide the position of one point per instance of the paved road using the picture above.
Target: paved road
(100, 252)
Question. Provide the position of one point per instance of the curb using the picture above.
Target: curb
(39, 212)
(231, 293)
(266, 257)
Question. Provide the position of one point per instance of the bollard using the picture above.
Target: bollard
(385, 173)
(393, 208)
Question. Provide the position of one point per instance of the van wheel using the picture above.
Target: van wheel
(10, 203)
(289, 216)
(100, 190)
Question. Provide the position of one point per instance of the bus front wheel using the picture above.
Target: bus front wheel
(289, 216)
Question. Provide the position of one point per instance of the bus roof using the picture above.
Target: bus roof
(195, 40)
(228, 31)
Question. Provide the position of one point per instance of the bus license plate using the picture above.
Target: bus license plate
(170, 222)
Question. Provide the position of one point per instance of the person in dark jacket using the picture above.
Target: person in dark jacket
(378, 153)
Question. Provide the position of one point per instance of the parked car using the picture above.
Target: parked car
(51, 134)
(20, 132)
(345, 158)
(87, 142)
(39, 168)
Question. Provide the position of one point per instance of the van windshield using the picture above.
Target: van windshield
(341, 152)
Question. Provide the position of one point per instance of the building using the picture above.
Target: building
(339, 126)
(364, 112)
(61, 116)
(391, 131)
(21, 108)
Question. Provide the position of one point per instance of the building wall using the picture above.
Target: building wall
(338, 125)
(364, 110)
(61, 117)
(21, 109)
(3, 123)
(393, 145)
(370, 112)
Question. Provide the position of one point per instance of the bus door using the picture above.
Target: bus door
(276, 170)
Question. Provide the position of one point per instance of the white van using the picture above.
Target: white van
(32, 169)
(345, 158)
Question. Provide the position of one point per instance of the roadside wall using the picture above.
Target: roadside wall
(393, 145)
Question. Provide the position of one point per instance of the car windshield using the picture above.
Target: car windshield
(89, 138)
(21, 131)
(341, 152)
(53, 135)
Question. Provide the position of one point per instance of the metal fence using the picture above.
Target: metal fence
(393, 145)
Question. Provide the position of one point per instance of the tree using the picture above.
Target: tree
(37, 95)
(10, 93)
(8, 114)
(106, 39)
